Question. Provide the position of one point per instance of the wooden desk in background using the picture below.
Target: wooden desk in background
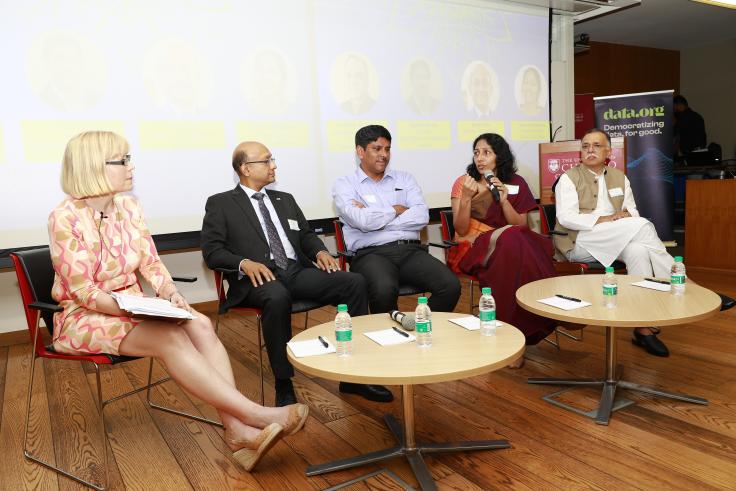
(710, 224)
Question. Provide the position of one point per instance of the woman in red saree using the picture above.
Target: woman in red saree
(495, 245)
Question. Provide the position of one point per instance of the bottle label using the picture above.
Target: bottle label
(424, 326)
(610, 289)
(487, 315)
(346, 335)
(677, 279)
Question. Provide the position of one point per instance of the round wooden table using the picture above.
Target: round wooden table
(455, 353)
(637, 307)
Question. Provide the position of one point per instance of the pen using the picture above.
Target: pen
(661, 282)
(322, 340)
(569, 298)
(400, 331)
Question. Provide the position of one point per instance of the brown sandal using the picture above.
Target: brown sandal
(297, 417)
(251, 451)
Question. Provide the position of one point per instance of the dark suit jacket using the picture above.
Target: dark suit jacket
(231, 232)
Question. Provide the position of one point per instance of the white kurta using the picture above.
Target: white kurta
(607, 241)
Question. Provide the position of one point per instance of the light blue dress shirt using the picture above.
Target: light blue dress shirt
(378, 223)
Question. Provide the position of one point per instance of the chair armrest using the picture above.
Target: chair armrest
(226, 270)
(184, 279)
(344, 254)
(556, 232)
(45, 307)
(444, 245)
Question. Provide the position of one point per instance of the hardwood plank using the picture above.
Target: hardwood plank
(16, 472)
(3, 368)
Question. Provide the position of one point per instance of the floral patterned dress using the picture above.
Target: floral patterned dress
(90, 255)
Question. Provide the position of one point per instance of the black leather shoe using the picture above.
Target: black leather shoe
(376, 393)
(285, 395)
(651, 343)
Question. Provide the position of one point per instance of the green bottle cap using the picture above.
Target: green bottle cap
(486, 290)
(678, 259)
(342, 308)
(609, 269)
(422, 300)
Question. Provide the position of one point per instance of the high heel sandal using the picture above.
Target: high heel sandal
(297, 417)
(250, 452)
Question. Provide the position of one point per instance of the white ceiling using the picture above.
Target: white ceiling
(666, 24)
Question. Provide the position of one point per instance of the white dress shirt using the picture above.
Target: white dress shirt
(288, 248)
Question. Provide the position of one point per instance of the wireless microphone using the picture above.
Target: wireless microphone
(406, 320)
(494, 192)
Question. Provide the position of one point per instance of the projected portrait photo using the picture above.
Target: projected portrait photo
(421, 86)
(177, 76)
(480, 88)
(66, 71)
(269, 82)
(530, 91)
(354, 83)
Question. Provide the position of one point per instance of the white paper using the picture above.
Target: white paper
(389, 337)
(653, 285)
(563, 304)
(512, 188)
(310, 347)
(157, 307)
(293, 224)
(470, 322)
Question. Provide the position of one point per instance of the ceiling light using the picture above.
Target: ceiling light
(729, 4)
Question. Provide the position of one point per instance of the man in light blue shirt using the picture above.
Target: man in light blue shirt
(383, 212)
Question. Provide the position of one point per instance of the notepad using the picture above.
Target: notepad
(310, 347)
(653, 285)
(470, 322)
(157, 307)
(564, 304)
(389, 337)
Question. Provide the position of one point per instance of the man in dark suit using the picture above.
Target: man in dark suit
(263, 234)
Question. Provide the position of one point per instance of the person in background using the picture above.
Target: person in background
(689, 128)
(99, 241)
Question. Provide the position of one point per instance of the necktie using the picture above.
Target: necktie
(277, 247)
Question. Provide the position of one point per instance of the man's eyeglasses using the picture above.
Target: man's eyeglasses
(270, 161)
(124, 161)
(596, 147)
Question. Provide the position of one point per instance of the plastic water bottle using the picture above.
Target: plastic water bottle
(423, 317)
(677, 280)
(343, 331)
(487, 313)
(610, 288)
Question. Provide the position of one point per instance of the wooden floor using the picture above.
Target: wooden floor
(655, 444)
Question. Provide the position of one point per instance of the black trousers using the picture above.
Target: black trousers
(298, 282)
(385, 267)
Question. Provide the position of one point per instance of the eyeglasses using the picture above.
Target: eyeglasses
(124, 161)
(596, 147)
(270, 161)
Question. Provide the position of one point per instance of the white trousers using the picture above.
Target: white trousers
(644, 255)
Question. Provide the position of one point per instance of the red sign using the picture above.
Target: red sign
(584, 114)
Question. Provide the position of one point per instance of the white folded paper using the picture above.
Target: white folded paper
(157, 307)
(310, 347)
(388, 337)
(653, 285)
(564, 304)
(470, 322)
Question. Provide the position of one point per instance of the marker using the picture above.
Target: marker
(322, 340)
(661, 282)
(400, 331)
(573, 299)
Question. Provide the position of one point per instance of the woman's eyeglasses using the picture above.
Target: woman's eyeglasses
(124, 161)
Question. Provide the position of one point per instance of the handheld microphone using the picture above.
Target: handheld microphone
(406, 320)
(494, 192)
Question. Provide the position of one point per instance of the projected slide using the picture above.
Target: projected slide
(186, 82)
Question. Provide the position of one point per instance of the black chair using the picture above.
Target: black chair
(35, 274)
(297, 307)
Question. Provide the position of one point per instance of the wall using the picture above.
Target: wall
(708, 81)
(611, 69)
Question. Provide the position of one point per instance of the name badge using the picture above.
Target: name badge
(613, 192)
(369, 198)
(512, 189)
(293, 224)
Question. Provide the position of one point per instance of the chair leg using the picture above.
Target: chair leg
(260, 360)
(556, 342)
(101, 407)
(472, 294)
(306, 319)
(165, 409)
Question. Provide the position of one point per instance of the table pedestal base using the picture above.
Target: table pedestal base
(407, 447)
(613, 380)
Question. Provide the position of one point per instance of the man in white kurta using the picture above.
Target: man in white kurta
(608, 232)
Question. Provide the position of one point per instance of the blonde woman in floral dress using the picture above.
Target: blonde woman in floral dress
(99, 240)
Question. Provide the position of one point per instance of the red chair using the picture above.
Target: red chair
(297, 307)
(35, 274)
(448, 232)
